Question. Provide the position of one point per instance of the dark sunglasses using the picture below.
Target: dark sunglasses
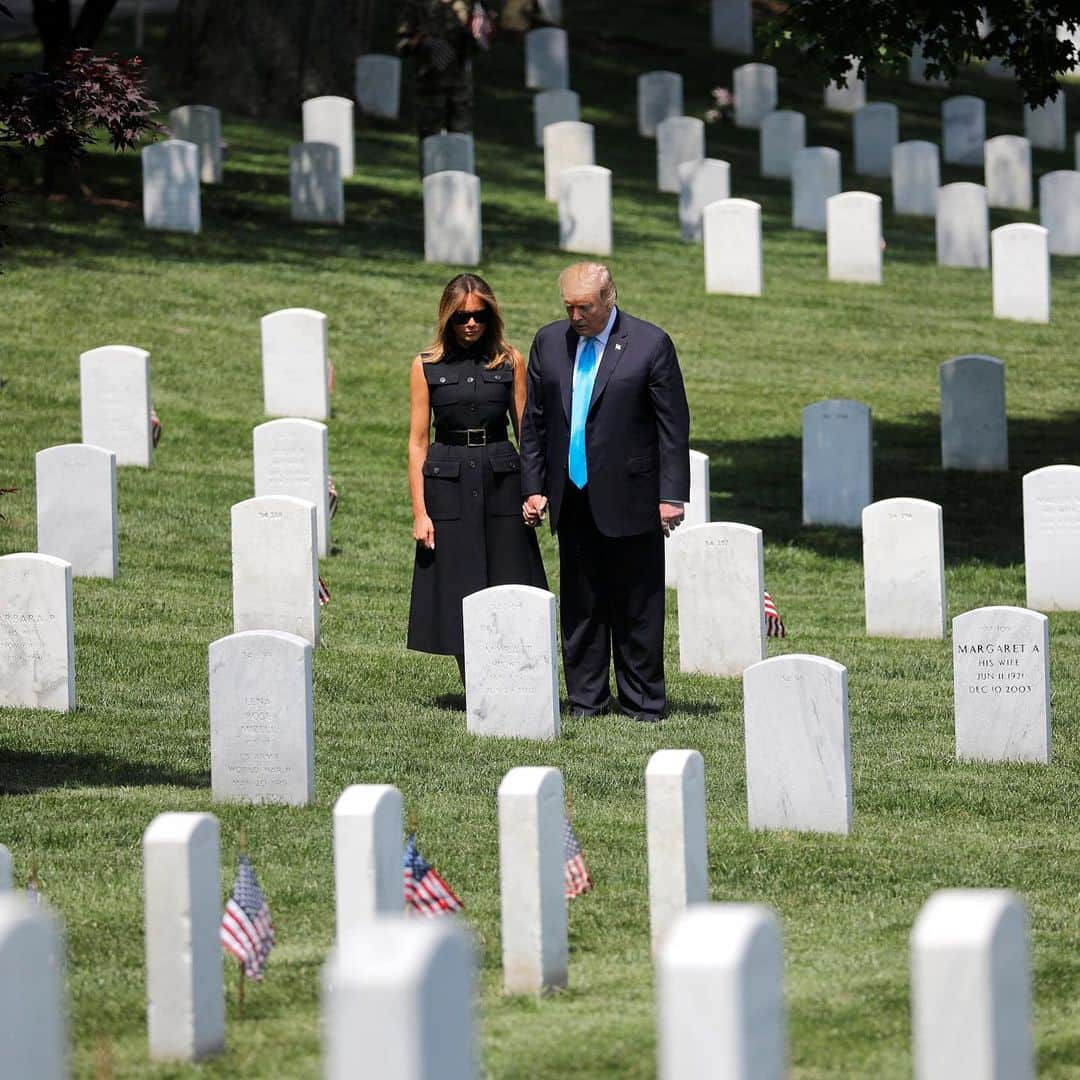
(460, 318)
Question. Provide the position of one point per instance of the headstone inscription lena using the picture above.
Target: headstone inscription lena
(275, 566)
(114, 399)
(1001, 685)
(37, 633)
(837, 462)
(798, 757)
(721, 579)
(262, 747)
(904, 569)
(77, 516)
(316, 190)
(295, 363)
(329, 119)
(291, 458)
(1052, 538)
(974, 428)
(452, 226)
(511, 666)
(170, 176)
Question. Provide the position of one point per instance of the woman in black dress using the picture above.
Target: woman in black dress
(466, 484)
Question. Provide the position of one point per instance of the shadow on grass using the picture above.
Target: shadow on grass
(23, 773)
(759, 482)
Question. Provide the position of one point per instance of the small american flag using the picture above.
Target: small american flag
(774, 625)
(330, 377)
(155, 428)
(247, 930)
(332, 492)
(575, 872)
(324, 593)
(425, 892)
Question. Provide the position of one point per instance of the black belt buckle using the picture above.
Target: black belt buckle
(476, 436)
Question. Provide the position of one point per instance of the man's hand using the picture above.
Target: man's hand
(671, 515)
(424, 530)
(533, 510)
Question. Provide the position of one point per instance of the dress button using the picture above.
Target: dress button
(472, 408)
(470, 379)
(472, 464)
(476, 493)
(442, 378)
(436, 470)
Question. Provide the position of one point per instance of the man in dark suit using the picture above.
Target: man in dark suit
(605, 443)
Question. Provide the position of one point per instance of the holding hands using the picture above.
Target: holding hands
(671, 516)
(533, 510)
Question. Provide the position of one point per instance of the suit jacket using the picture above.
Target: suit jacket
(637, 434)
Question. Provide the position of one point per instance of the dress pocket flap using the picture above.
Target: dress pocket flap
(440, 375)
(502, 465)
(500, 374)
(443, 470)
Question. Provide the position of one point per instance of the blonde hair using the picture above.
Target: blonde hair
(494, 339)
(595, 274)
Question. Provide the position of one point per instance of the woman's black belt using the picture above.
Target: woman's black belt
(480, 436)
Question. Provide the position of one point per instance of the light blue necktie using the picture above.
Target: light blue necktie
(583, 387)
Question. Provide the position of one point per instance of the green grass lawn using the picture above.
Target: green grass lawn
(79, 789)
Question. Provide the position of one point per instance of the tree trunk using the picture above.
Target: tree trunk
(59, 36)
(264, 59)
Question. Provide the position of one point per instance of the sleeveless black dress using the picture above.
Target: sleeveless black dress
(473, 497)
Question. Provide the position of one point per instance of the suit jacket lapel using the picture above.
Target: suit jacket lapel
(616, 346)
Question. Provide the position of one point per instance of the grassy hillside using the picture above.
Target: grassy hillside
(79, 789)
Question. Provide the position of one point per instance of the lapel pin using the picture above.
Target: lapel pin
(617, 347)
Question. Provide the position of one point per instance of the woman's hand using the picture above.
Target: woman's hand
(423, 529)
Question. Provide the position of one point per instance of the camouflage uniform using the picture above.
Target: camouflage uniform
(443, 58)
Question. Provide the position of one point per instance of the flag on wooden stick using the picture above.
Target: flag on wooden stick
(575, 872)
(155, 428)
(247, 930)
(425, 891)
(324, 593)
(332, 494)
(774, 625)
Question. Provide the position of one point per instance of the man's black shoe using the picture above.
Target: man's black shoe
(579, 712)
(638, 716)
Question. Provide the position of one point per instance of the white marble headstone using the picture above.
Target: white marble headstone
(5, 869)
(329, 119)
(700, 183)
(547, 59)
(732, 236)
(853, 237)
(963, 122)
(566, 144)
(876, 131)
(291, 458)
(37, 633)
(1001, 685)
(695, 512)
(398, 1002)
(452, 225)
(798, 759)
(449, 151)
(732, 26)
(678, 139)
(1059, 210)
(1020, 260)
(585, 210)
(185, 993)
(77, 516)
(815, 177)
(756, 93)
(675, 828)
(170, 174)
(850, 98)
(201, 125)
(114, 399)
(295, 363)
(1045, 124)
(783, 135)
(916, 177)
(837, 462)
(316, 190)
(721, 581)
(917, 70)
(262, 745)
(962, 227)
(552, 107)
(33, 1024)
(659, 96)
(974, 430)
(971, 987)
(904, 569)
(720, 991)
(1052, 538)
(511, 665)
(275, 566)
(1007, 166)
(532, 885)
(378, 85)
